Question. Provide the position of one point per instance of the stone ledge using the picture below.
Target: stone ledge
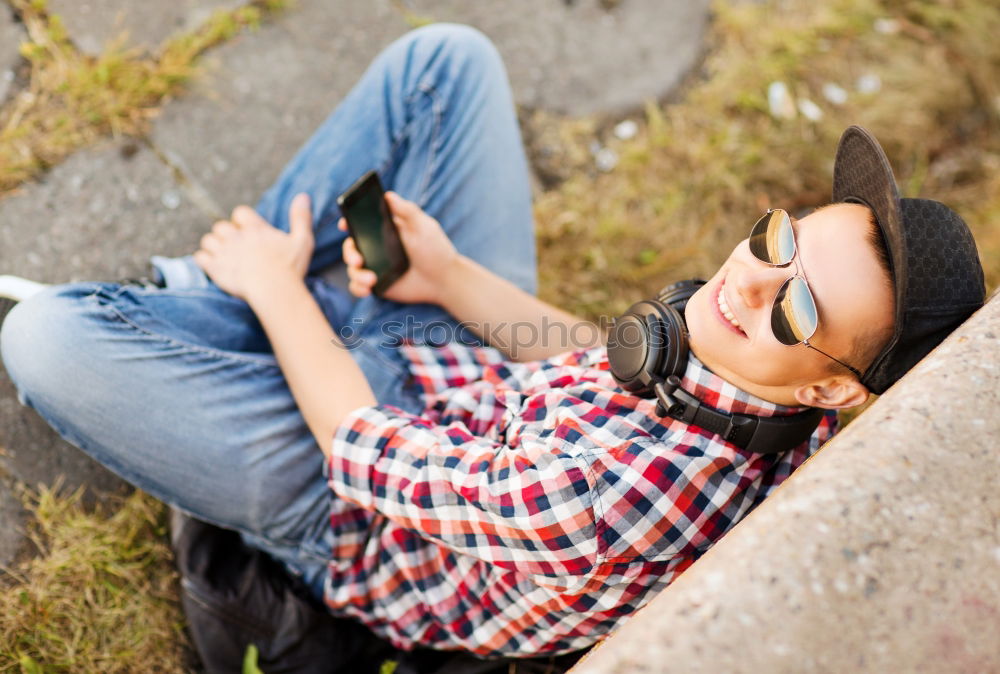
(882, 553)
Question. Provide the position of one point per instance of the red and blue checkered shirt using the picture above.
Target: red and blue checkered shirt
(532, 507)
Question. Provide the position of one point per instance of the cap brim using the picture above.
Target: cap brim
(862, 174)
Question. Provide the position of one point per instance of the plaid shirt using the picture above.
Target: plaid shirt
(532, 507)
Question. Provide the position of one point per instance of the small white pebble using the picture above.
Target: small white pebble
(626, 130)
(834, 93)
(606, 159)
(171, 199)
(887, 26)
(869, 83)
(810, 110)
(779, 101)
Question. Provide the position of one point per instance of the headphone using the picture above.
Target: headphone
(648, 354)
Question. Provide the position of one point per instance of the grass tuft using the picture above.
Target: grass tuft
(100, 597)
(411, 18)
(73, 99)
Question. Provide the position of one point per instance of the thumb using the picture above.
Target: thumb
(300, 216)
(403, 209)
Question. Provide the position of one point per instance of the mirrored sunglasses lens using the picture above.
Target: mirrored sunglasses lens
(772, 239)
(793, 316)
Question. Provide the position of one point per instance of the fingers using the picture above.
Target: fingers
(201, 258)
(210, 242)
(223, 228)
(359, 289)
(361, 280)
(300, 216)
(351, 255)
(244, 216)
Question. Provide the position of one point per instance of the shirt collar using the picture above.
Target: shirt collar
(715, 391)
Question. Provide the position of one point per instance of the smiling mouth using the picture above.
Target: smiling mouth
(727, 313)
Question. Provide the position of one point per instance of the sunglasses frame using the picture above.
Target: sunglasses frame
(799, 274)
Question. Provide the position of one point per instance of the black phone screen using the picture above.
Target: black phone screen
(370, 224)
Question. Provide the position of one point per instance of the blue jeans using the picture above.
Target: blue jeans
(176, 389)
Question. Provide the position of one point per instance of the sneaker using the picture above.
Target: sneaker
(14, 289)
(17, 289)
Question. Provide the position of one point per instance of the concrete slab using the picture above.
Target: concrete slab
(100, 215)
(93, 23)
(264, 93)
(586, 56)
(11, 36)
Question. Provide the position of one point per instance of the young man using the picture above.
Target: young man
(452, 497)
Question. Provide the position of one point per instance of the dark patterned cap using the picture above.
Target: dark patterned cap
(935, 267)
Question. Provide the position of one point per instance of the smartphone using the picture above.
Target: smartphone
(370, 223)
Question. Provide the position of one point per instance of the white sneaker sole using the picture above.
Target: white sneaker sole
(19, 289)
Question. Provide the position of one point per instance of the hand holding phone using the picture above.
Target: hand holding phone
(371, 226)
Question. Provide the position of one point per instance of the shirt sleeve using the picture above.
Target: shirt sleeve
(526, 508)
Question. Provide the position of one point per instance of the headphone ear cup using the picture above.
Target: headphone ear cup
(648, 343)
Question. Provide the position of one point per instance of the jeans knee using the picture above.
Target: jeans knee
(462, 43)
(33, 341)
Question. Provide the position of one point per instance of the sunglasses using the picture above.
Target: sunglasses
(794, 316)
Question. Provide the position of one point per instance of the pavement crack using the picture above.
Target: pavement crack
(194, 190)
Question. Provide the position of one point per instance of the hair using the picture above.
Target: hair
(869, 343)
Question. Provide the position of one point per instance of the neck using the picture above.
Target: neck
(780, 395)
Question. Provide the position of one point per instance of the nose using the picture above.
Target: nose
(758, 284)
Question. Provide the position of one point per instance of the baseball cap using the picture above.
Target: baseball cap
(935, 267)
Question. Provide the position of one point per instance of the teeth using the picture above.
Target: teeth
(724, 308)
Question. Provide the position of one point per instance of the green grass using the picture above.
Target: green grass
(685, 191)
(100, 597)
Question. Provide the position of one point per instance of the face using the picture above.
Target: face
(851, 295)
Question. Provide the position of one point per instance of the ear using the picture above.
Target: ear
(833, 393)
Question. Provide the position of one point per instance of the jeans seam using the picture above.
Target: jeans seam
(437, 110)
(234, 356)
